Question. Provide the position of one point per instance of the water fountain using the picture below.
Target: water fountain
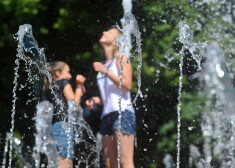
(218, 119)
(210, 133)
(44, 139)
(130, 27)
(17, 145)
(196, 49)
(127, 7)
(34, 58)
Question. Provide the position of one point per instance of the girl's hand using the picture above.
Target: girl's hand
(99, 67)
(83, 89)
(80, 80)
(89, 104)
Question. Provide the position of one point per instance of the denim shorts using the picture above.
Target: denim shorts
(61, 137)
(110, 122)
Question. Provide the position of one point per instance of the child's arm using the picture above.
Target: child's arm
(68, 91)
(127, 72)
(92, 101)
(80, 89)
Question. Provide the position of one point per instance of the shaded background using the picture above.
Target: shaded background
(69, 30)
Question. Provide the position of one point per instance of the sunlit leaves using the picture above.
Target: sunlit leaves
(44, 30)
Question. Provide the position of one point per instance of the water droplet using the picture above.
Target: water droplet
(190, 128)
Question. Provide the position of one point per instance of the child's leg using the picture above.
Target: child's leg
(127, 149)
(63, 162)
(110, 151)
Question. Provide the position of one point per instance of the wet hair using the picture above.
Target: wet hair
(52, 68)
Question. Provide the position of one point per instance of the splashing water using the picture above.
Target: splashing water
(13, 107)
(127, 7)
(72, 118)
(219, 108)
(45, 142)
(130, 26)
(179, 106)
(23, 30)
(168, 161)
(17, 144)
(33, 57)
(196, 50)
(76, 124)
(187, 39)
(222, 28)
(5, 150)
(98, 149)
(218, 119)
(195, 158)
